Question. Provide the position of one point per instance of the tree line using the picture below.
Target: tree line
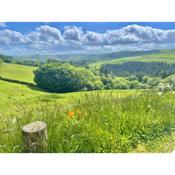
(139, 69)
(64, 77)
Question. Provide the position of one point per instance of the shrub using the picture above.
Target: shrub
(134, 84)
(66, 78)
(120, 83)
(153, 81)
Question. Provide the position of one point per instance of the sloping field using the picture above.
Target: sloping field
(168, 57)
(17, 72)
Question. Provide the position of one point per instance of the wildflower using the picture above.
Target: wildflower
(71, 114)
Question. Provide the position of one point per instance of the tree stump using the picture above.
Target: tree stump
(35, 137)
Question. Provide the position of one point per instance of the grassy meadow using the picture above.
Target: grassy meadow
(17, 72)
(110, 121)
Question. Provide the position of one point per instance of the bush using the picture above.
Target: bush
(120, 83)
(152, 82)
(107, 81)
(57, 77)
(164, 87)
(134, 84)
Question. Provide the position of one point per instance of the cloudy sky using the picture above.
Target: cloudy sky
(21, 38)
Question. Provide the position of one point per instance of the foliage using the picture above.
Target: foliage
(139, 69)
(120, 83)
(6, 59)
(134, 84)
(66, 78)
(27, 62)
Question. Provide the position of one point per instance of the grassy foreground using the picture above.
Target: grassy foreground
(98, 122)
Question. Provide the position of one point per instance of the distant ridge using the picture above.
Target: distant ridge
(87, 57)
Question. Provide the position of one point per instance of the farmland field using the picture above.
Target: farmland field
(168, 57)
(17, 72)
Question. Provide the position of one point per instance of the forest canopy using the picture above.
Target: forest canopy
(158, 69)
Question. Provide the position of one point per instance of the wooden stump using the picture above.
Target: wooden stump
(35, 137)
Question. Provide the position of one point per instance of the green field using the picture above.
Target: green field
(164, 56)
(17, 72)
(102, 121)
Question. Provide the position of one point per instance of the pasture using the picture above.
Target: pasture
(17, 72)
(117, 121)
(168, 57)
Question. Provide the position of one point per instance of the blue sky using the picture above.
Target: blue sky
(26, 38)
(25, 27)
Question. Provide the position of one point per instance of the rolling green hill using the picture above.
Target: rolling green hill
(164, 56)
(17, 72)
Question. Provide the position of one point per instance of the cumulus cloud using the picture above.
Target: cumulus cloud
(9, 37)
(93, 38)
(50, 39)
(129, 35)
(45, 34)
(145, 34)
(73, 33)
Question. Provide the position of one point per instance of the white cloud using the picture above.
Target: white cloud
(9, 37)
(128, 35)
(73, 34)
(46, 32)
(50, 39)
(93, 38)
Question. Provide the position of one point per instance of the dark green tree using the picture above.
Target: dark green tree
(66, 78)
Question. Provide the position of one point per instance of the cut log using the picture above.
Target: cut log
(35, 137)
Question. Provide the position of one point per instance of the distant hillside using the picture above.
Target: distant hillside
(167, 56)
(92, 57)
(108, 56)
(80, 59)
(6, 58)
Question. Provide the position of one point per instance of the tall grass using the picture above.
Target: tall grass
(97, 122)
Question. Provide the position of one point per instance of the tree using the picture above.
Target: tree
(134, 84)
(120, 83)
(56, 77)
